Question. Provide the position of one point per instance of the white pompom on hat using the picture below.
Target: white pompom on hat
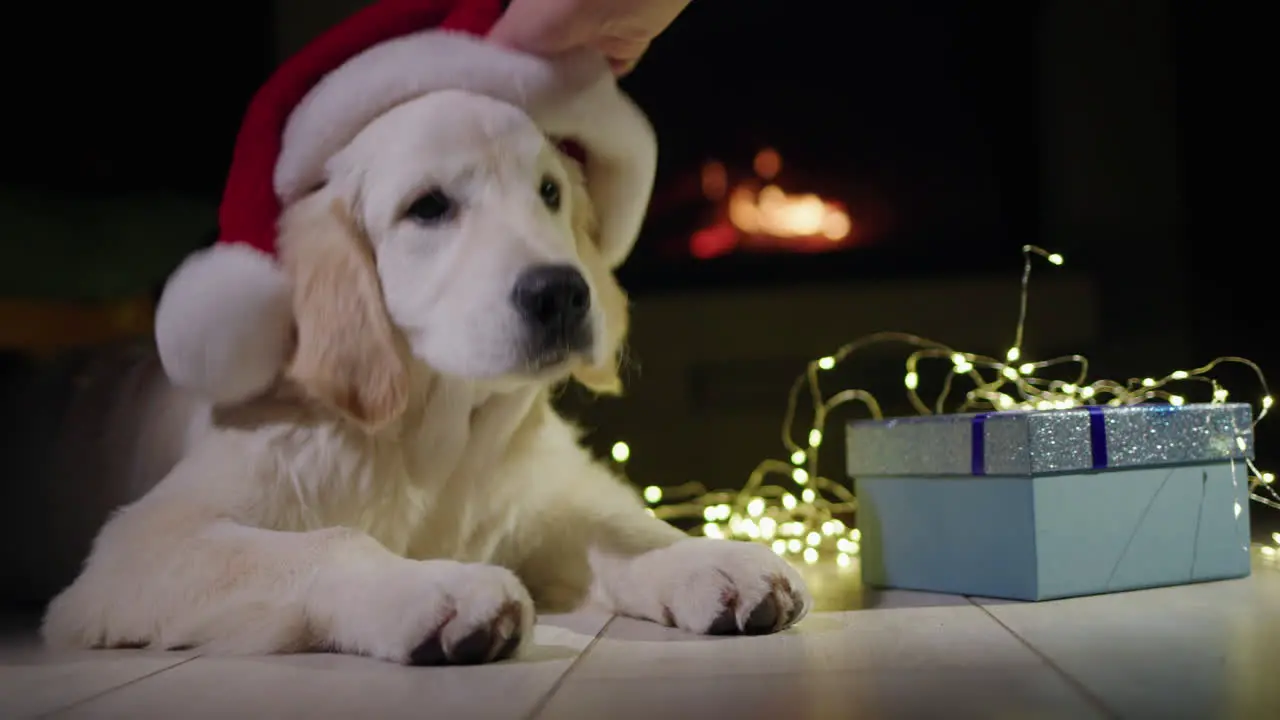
(224, 326)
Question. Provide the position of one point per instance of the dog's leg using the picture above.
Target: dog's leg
(602, 541)
(168, 575)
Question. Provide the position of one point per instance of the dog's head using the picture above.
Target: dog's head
(450, 233)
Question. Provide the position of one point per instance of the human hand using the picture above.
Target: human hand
(621, 29)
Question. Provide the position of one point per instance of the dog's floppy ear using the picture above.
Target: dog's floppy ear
(349, 356)
(603, 376)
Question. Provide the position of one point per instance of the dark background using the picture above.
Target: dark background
(1112, 131)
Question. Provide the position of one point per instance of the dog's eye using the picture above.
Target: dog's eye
(433, 207)
(550, 192)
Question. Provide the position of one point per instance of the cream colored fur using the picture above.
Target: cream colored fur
(407, 492)
(572, 96)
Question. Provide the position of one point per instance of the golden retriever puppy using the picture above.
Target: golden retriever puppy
(406, 492)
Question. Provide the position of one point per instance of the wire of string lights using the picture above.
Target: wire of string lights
(792, 507)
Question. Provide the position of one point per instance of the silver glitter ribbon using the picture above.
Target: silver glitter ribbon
(1038, 442)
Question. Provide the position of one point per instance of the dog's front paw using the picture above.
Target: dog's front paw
(722, 587)
(440, 613)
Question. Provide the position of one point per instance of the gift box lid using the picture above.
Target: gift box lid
(1039, 442)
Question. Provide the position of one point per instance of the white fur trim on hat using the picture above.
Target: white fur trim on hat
(224, 326)
(575, 96)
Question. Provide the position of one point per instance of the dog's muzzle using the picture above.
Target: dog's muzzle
(554, 301)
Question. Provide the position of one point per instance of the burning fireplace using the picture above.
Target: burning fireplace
(901, 138)
(757, 215)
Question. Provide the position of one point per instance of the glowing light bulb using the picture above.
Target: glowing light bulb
(789, 501)
(1086, 392)
(1268, 551)
(813, 539)
(794, 545)
(800, 476)
(815, 438)
(810, 556)
(1220, 395)
(1180, 375)
(1013, 354)
(768, 527)
(1055, 258)
(1148, 382)
(713, 530)
(912, 381)
(621, 452)
(1267, 402)
(755, 508)
(827, 363)
(1268, 478)
(1176, 400)
(779, 546)
(843, 560)
(1275, 537)
(1009, 372)
(808, 495)
(653, 494)
(1026, 368)
(798, 457)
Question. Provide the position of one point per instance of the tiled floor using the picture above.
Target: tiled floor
(1203, 651)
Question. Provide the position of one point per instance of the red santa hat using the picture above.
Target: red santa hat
(224, 324)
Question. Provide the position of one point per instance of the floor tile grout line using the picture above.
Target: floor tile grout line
(99, 695)
(1070, 679)
(545, 700)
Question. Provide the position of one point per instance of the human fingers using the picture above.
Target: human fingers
(623, 54)
(542, 27)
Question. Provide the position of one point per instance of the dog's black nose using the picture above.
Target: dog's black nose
(553, 298)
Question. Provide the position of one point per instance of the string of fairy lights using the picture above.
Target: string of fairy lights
(789, 505)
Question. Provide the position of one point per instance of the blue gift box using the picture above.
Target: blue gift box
(1037, 505)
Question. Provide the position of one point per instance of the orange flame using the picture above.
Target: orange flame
(768, 218)
(773, 212)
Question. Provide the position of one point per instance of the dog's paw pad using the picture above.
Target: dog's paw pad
(729, 588)
(777, 610)
(764, 618)
(726, 623)
(430, 652)
(496, 639)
